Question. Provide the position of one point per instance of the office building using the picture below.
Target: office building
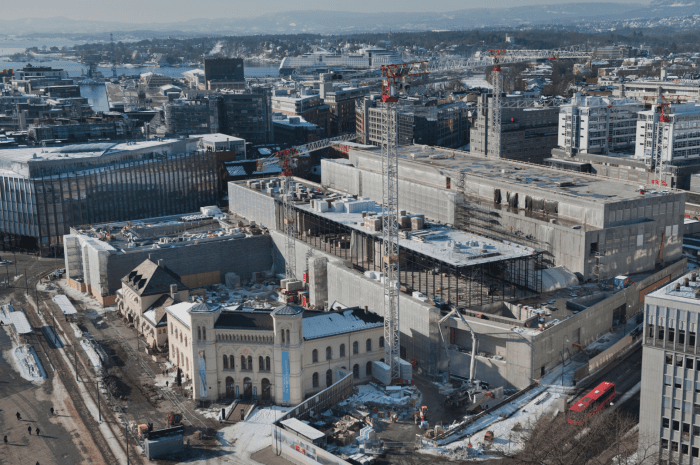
(669, 426)
(224, 73)
(305, 104)
(680, 145)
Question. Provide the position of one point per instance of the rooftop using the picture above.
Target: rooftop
(449, 245)
(678, 291)
(433, 160)
(345, 321)
(151, 278)
(244, 320)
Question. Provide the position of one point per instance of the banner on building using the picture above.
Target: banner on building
(285, 375)
(203, 373)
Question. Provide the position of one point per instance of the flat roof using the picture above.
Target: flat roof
(303, 429)
(438, 241)
(585, 187)
(64, 304)
(20, 322)
(685, 294)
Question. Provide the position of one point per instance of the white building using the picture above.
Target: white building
(669, 420)
(598, 124)
(683, 135)
(222, 143)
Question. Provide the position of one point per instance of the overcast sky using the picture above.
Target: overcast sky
(141, 11)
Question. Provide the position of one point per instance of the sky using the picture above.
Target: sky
(165, 11)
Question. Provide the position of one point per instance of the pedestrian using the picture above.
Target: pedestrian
(51, 411)
(29, 428)
(19, 417)
(38, 431)
(5, 438)
(166, 384)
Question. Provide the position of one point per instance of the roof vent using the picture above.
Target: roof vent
(693, 276)
(686, 282)
(677, 286)
(697, 293)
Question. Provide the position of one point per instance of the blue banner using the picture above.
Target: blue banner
(203, 373)
(285, 375)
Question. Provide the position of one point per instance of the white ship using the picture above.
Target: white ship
(370, 57)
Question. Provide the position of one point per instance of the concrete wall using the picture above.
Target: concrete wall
(252, 205)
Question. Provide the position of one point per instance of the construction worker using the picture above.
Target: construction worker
(29, 428)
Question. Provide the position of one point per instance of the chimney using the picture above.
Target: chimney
(160, 262)
(685, 282)
(173, 290)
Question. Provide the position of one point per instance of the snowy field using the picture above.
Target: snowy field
(247, 437)
(371, 393)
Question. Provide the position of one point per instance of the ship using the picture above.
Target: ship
(367, 58)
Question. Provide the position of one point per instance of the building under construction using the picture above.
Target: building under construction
(44, 192)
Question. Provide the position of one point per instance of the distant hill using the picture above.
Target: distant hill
(670, 13)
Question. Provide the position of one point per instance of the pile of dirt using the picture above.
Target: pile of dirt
(116, 387)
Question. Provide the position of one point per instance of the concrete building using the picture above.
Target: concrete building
(598, 124)
(155, 80)
(283, 355)
(597, 227)
(649, 91)
(668, 423)
(30, 72)
(199, 248)
(307, 105)
(519, 340)
(683, 145)
(47, 191)
(614, 52)
(81, 130)
(428, 121)
(295, 130)
(185, 116)
(527, 134)
(223, 143)
(224, 73)
(341, 104)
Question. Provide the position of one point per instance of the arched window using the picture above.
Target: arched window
(180, 337)
(355, 348)
(204, 333)
(225, 359)
(369, 345)
(283, 340)
(231, 362)
(187, 364)
(381, 341)
(329, 378)
(185, 341)
(314, 379)
(199, 333)
(314, 356)
(171, 328)
(356, 371)
(173, 351)
(329, 353)
(289, 341)
(368, 369)
(243, 362)
(261, 363)
(342, 350)
(250, 362)
(267, 363)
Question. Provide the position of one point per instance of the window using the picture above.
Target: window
(381, 341)
(180, 337)
(674, 446)
(329, 353)
(314, 356)
(355, 348)
(329, 378)
(243, 362)
(250, 362)
(267, 363)
(171, 329)
(669, 359)
(681, 336)
(678, 383)
(283, 339)
(261, 363)
(204, 333)
(199, 333)
(225, 359)
(691, 339)
(676, 425)
(314, 380)
(665, 422)
(679, 361)
(185, 341)
(289, 341)
(664, 444)
(356, 371)
(689, 363)
(368, 345)
(231, 359)
(671, 335)
(342, 350)
(368, 369)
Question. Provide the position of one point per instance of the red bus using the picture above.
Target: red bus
(592, 403)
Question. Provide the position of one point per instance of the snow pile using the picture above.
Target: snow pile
(28, 363)
(76, 331)
(91, 353)
(372, 393)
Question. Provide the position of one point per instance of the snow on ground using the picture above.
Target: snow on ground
(247, 437)
(477, 81)
(26, 362)
(92, 355)
(76, 330)
(371, 393)
(76, 295)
